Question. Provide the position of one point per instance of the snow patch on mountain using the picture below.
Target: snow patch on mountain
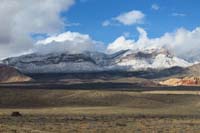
(125, 60)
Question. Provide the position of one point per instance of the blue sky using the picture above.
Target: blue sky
(91, 13)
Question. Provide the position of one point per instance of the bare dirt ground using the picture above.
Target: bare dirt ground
(99, 110)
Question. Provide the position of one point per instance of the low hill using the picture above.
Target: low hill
(107, 79)
(9, 74)
(193, 70)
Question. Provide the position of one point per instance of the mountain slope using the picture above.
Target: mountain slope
(9, 74)
(193, 70)
(151, 59)
(65, 62)
(189, 76)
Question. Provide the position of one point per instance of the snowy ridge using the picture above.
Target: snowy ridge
(126, 60)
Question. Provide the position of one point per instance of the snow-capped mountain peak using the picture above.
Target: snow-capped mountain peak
(126, 60)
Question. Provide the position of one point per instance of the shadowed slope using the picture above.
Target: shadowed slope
(9, 74)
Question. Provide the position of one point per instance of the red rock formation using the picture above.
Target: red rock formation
(186, 81)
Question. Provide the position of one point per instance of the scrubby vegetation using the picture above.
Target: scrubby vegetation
(68, 110)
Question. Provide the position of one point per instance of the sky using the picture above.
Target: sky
(167, 17)
(98, 25)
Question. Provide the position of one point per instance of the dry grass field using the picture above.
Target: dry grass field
(67, 110)
(96, 123)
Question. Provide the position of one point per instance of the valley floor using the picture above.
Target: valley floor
(99, 123)
(67, 110)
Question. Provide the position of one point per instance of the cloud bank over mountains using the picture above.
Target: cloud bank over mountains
(180, 42)
(73, 42)
(22, 18)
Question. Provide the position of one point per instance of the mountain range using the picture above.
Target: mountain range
(147, 64)
(126, 60)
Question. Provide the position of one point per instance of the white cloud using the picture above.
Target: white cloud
(106, 23)
(155, 7)
(178, 14)
(20, 18)
(121, 43)
(132, 17)
(72, 42)
(128, 18)
(181, 42)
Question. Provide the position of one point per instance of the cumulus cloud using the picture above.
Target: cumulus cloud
(182, 42)
(127, 18)
(121, 43)
(132, 17)
(72, 42)
(20, 18)
(155, 7)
